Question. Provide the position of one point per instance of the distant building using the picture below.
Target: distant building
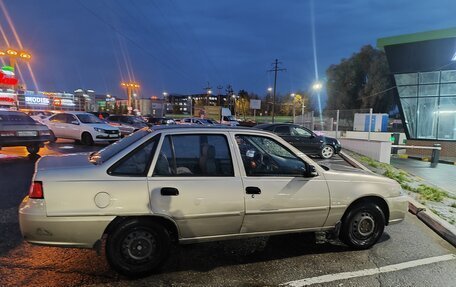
(177, 103)
(424, 69)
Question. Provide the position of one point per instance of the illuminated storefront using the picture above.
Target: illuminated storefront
(424, 69)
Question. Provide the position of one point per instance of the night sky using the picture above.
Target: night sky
(178, 45)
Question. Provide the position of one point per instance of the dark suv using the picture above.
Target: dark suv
(19, 129)
(304, 139)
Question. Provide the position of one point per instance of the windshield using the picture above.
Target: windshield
(106, 153)
(89, 119)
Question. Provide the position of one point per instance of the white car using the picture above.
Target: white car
(83, 127)
(192, 184)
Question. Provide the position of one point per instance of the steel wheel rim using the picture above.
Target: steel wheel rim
(363, 225)
(139, 246)
(327, 152)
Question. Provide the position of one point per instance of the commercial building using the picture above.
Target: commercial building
(182, 104)
(424, 69)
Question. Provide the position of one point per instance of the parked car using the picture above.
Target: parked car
(197, 121)
(126, 124)
(39, 116)
(160, 121)
(83, 127)
(191, 184)
(100, 115)
(19, 129)
(304, 139)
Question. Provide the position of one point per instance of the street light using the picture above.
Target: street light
(131, 88)
(234, 108)
(317, 86)
(269, 89)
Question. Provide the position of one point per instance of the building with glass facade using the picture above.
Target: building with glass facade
(424, 69)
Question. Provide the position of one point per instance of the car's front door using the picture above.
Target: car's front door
(195, 183)
(278, 195)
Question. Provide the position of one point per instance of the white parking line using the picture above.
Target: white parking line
(369, 272)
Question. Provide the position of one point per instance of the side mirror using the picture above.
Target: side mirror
(75, 123)
(310, 171)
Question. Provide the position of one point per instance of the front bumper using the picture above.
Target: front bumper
(66, 231)
(398, 207)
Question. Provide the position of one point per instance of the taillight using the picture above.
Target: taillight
(36, 190)
(7, 133)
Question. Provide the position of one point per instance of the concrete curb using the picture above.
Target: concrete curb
(438, 225)
(353, 162)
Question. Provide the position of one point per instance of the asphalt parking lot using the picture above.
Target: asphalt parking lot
(408, 254)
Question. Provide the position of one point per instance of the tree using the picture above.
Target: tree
(362, 81)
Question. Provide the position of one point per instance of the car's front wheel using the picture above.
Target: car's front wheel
(33, 149)
(327, 152)
(87, 139)
(363, 225)
(137, 247)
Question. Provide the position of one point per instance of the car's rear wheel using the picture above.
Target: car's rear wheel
(87, 139)
(33, 149)
(327, 152)
(363, 225)
(137, 247)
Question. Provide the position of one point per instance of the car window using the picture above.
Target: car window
(89, 119)
(60, 118)
(16, 118)
(282, 130)
(297, 131)
(70, 118)
(194, 155)
(137, 162)
(263, 156)
(108, 152)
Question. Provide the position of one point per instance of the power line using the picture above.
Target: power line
(164, 63)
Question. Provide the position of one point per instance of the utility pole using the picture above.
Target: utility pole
(275, 70)
(219, 94)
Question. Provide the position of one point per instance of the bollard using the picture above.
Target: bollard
(435, 156)
(395, 136)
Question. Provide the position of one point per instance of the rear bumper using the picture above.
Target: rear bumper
(65, 231)
(23, 141)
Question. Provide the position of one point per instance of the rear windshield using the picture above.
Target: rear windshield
(89, 119)
(15, 119)
(106, 153)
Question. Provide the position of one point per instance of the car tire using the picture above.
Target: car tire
(327, 152)
(87, 139)
(33, 149)
(137, 247)
(362, 226)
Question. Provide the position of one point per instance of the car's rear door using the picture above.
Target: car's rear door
(55, 123)
(195, 183)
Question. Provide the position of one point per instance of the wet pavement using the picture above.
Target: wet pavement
(263, 261)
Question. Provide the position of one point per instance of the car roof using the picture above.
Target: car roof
(12, 113)
(199, 127)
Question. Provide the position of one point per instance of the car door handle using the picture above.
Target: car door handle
(252, 190)
(169, 191)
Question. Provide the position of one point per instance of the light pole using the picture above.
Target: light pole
(316, 86)
(131, 87)
(165, 95)
(191, 106)
(293, 95)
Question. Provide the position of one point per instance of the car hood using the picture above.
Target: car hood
(105, 127)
